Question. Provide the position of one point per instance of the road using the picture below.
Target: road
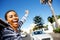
(27, 38)
(55, 36)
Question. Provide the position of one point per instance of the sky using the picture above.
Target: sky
(34, 6)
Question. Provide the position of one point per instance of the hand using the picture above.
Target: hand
(27, 11)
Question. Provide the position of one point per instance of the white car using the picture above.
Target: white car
(39, 35)
(23, 34)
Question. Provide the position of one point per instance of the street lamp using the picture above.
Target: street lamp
(49, 2)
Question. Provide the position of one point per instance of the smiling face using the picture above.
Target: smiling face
(12, 19)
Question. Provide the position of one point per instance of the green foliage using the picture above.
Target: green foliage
(51, 18)
(57, 30)
(37, 27)
(46, 1)
(46, 26)
(58, 16)
(38, 20)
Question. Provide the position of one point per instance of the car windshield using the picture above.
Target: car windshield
(38, 32)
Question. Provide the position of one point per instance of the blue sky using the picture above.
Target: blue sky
(34, 6)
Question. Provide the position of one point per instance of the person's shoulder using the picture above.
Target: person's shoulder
(7, 34)
(7, 31)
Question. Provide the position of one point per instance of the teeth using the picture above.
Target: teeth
(14, 20)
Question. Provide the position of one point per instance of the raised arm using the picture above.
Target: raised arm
(23, 18)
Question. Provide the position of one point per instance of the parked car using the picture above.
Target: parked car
(40, 35)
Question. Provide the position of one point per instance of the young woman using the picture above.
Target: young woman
(12, 31)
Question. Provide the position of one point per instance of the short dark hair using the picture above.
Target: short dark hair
(7, 13)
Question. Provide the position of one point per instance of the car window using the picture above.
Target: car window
(38, 32)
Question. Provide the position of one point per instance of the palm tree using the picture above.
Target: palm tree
(49, 2)
(50, 19)
(58, 16)
(39, 22)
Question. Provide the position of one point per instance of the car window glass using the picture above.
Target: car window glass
(38, 32)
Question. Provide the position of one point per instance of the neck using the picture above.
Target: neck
(15, 29)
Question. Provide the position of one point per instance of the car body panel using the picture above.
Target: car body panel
(42, 36)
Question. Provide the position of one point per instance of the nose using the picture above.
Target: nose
(15, 17)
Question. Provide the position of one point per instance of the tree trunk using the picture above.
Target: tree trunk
(53, 13)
